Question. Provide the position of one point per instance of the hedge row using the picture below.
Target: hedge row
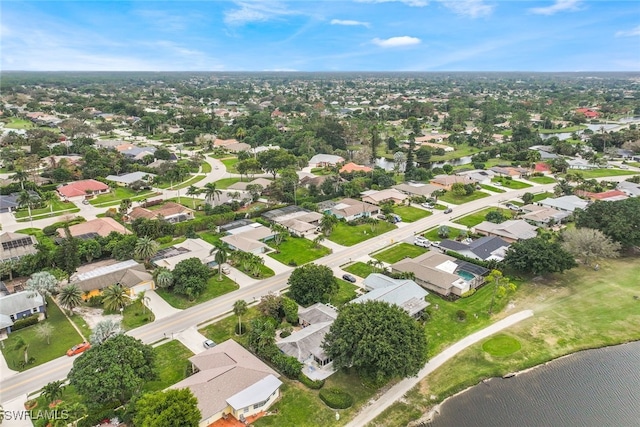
(312, 384)
(209, 222)
(336, 398)
(25, 321)
(50, 230)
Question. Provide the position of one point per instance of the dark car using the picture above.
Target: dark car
(349, 278)
(448, 211)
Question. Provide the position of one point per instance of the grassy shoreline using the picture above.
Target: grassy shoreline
(579, 310)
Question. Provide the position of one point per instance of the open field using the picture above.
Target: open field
(449, 197)
(360, 269)
(568, 129)
(410, 214)
(541, 179)
(476, 218)
(541, 196)
(214, 289)
(118, 194)
(230, 164)
(577, 310)
(298, 250)
(601, 173)
(346, 293)
(189, 182)
(510, 183)
(491, 188)
(399, 252)
(206, 167)
(59, 208)
(433, 234)
(224, 183)
(349, 235)
(172, 365)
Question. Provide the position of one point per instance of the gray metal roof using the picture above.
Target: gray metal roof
(404, 293)
(19, 302)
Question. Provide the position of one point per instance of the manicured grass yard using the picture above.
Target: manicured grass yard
(224, 183)
(449, 197)
(541, 179)
(118, 194)
(58, 207)
(209, 237)
(501, 345)
(410, 214)
(214, 289)
(433, 234)
(298, 250)
(135, 315)
(64, 337)
(600, 173)
(541, 196)
(360, 269)
(511, 183)
(490, 188)
(189, 182)
(476, 218)
(224, 329)
(172, 365)
(206, 167)
(346, 293)
(349, 235)
(230, 164)
(399, 252)
(19, 124)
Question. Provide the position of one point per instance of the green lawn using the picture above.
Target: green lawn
(449, 197)
(541, 179)
(349, 235)
(360, 269)
(322, 171)
(172, 365)
(490, 188)
(399, 252)
(346, 293)
(510, 183)
(19, 124)
(206, 167)
(224, 183)
(460, 151)
(410, 214)
(298, 250)
(541, 196)
(58, 206)
(476, 218)
(230, 164)
(563, 130)
(118, 194)
(210, 237)
(189, 182)
(171, 243)
(501, 345)
(265, 272)
(433, 234)
(224, 329)
(601, 173)
(135, 315)
(64, 337)
(214, 289)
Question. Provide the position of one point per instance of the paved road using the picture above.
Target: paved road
(376, 407)
(37, 377)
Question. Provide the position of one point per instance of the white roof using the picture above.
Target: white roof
(19, 302)
(130, 177)
(101, 271)
(258, 392)
(448, 266)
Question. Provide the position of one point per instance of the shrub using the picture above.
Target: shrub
(468, 293)
(285, 334)
(288, 365)
(164, 239)
(95, 301)
(336, 398)
(312, 384)
(292, 263)
(24, 322)
(50, 230)
(461, 315)
(290, 308)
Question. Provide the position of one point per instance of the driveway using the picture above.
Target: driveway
(159, 306)
(276, 266)
(192, 339)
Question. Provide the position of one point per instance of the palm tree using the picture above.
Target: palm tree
(210, 192)
(125, 205)
(70, 297)
(21, 345)
(193, 191)
(327, 224)
(115, 298)
(20, 176)
(53, 391)
(163, 277)
(280, 233)
(318, 240)
(241, 133)
(145, 248)
(27, 199)
(49, 196)
(142, 298)
(221, 256)
(240, 307)
(44, 331)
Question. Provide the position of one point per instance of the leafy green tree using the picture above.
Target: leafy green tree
(146, 248)
(273, 161)
(262, 336)
(190, 277)
(328, 223)
(115, 297)
(458, 189)
(44, 331)
(70, 297)
(312, 283)
(113, 371)
(169, 408)
(290, 309)
(53, 391)
(90, 249)
(527, 198)
(379, 340)
(67, 254)
(589, 245)
(240, 307)
(496, 217)
(618, 220)
(538, 256)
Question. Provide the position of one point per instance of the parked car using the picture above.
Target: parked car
(393, 218)
(78, 348)
(513, 207)
(208, 344)
(448, 210)
(426, 205)
(349, 278)
(226, 269)
(381, 216)
(85, 202)
(421, 241)
(436, 244)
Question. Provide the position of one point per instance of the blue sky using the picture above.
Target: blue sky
(356, 35)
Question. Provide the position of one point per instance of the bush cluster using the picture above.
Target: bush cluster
(50, 230)
(336, 398)
(312, 384)
(25, 321)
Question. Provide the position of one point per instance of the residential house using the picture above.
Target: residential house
(546, 152)
(542, 216)
(588, 113)
(242, 186)
(17, 306)
(129, 178)
(8, 203)
(581, 164)
(249, 238)
(605, 196)
(565, 203)
(542, 168)
(511, 230)
(170, 211)
(353, 167)
(237, 147)
(511, 171)
(306, 343)
(129, 274)
(262, 148)
(82, 189)
(446, 181)
(190, 248)
(442, 274)
(349, 209)
(487, 248)
(629, 188)
(96, 227)
(224, 142)
(375, 197)
(14, 246)
(478, 175)
(307, 180)
(417, 188)
(298, 221)
(230, 381)
(404, 293)
(136, 153)
(324, 160)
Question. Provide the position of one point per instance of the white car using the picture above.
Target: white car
(421, 241)
(426, 205)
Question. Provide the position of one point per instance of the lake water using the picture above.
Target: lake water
(592, 388)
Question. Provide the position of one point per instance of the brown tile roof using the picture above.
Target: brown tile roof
(102, 226)
(168, 209)
(80, 188)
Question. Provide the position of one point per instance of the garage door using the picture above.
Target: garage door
(141, 287)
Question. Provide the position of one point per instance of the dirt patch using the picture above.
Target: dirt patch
(94, 315)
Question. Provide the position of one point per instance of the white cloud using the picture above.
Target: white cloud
(412, 3)
(397, 41)
(470, 8)
(349, 22)
(253, 11)
(629, 33)
(558, 6)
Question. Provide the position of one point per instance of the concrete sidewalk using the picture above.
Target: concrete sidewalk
(375, 408)
(5, 371)
(159, 306)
